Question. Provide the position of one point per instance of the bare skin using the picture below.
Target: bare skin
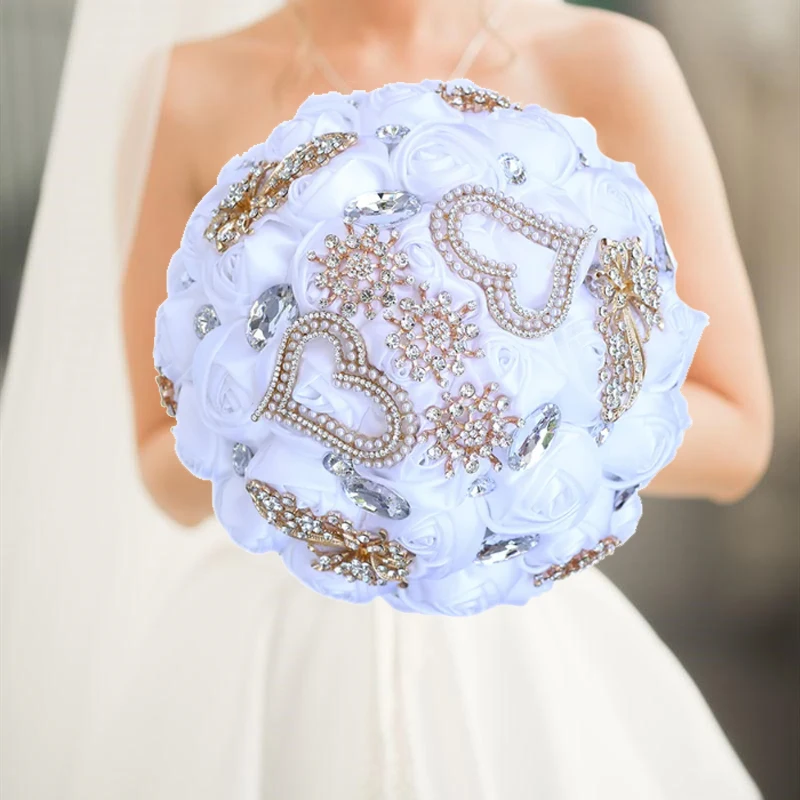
(618, 73)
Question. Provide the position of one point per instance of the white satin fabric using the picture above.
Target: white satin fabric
(144, 661)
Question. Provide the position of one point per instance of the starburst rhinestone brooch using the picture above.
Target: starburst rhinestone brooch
(626, 283)
(432, 337)
(360, 272)
(371, 558)
(266, 187)
(350, 370)
(469, 428)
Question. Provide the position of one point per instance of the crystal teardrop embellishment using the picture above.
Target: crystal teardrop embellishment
(531, 441)
(497, 549)
(205, 320)
(240, 458)
(381, 208)
(513, 168)
(270, 309)
(375, 498)
(481, 486)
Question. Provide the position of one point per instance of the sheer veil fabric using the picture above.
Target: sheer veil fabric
(144, 661)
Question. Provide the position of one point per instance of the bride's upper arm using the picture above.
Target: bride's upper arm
(168, 199)
(641, 105)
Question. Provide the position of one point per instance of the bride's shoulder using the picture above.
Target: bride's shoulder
(203, 73)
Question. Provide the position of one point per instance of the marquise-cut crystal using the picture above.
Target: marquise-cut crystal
(623, 495)
(240, 458)
(338, 465)
(391, 135)
(531, 441)
(513, 168)
(205, 320)
(497, 549)
(601, 432)
(375, 498)
(273, 306)
(381, 208)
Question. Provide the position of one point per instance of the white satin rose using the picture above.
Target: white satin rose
(551, 495)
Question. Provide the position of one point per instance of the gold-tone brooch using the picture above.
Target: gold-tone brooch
(469, 98)
(360, 271)
(469, 428)
(626, 283)
(566, 244)
(166, 389)
(352, 370)
(580, 561)
(366, 556)
(266, 187)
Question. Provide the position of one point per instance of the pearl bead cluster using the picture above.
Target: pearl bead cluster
(626, 280)
(353, 371)
(266, 187)
(496, 279)
(580, 561)
(356, 555)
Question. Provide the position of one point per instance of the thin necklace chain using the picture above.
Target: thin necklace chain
(469, 55)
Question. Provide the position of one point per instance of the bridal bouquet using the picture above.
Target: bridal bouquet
(427, 346)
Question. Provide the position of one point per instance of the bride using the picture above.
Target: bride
(143, 659)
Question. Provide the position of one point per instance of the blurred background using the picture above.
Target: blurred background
(721, 585)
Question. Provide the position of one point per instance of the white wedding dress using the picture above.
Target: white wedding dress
(145, 662)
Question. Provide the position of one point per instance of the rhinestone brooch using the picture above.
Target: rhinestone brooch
(496, 279)
(166, 389)
(356, 555)
(360, 271)
(580, 561)
(352, 371)
(469, 98)
(432, 337)
(469, 428)
(266, 187)
(625, 281)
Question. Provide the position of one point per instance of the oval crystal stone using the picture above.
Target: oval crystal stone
(530, 442)
(205, 320)
(240, 458)
(272, 307)
(375, 498)
(338, 465)
(381, 208)
(485, 484)
(497, 549)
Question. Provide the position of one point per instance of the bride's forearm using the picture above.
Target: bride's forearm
(725, 452)
(175, 490)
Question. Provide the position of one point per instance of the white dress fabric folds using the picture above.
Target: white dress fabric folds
(141, 661)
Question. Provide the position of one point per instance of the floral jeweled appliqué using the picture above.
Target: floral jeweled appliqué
(166, 388)
(432, 337)
(366, 556)
(474, 98)
(360, 271)
(351, 370)
(626, 280)
(580, 561)
(469, 428)
(497, 279)
(266, 187)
